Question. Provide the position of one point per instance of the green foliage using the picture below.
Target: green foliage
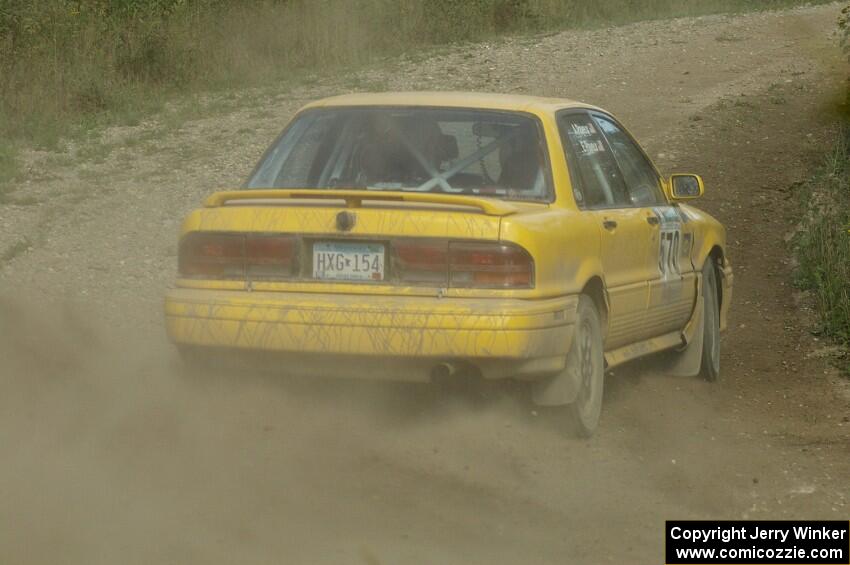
(844, 26)
(823, 246)
(68, 64)
(8, 166)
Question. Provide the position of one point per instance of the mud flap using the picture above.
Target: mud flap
(557, 390)
(687, 362)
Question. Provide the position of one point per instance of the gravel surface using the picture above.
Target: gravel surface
(113, 456)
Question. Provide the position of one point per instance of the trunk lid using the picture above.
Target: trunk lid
(371, 214)
(344, 240)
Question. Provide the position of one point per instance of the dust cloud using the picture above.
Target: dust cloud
(113, 452)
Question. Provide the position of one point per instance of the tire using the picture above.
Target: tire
(710, 364)
(586, 359)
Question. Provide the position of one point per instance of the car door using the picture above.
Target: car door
(625, 234)
(671, 280)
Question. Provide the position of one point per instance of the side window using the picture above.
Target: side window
(600, 183)
(642, 182)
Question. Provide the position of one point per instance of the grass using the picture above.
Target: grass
(823, 245)
(8, 164)
(69, 67)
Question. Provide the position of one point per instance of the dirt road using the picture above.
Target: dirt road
(110, 455)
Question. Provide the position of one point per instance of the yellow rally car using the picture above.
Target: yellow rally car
(413, 235)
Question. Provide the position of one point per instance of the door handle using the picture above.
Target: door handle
(609, 225)
(652, 220)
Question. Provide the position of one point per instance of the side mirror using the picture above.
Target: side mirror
(686, 187)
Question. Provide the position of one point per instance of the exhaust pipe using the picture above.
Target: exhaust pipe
(443, 371)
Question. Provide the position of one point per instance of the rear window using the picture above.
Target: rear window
(455, 151)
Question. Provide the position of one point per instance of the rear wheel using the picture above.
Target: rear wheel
(710, 364)
(587, 362)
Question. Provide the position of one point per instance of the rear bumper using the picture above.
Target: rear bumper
(500, 337)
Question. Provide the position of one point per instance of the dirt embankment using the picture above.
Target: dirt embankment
(110, 456)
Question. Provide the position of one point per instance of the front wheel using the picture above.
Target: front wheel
(710, 362)
(586, 361)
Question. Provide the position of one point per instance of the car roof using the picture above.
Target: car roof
(484, 101)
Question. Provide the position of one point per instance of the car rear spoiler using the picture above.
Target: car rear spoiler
(355, 198)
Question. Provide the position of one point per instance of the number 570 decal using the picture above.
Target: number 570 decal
(668, 256)
(669, 242)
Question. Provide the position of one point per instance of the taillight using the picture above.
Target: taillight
(462, 265)
(270, 256)
(421, 261)
(236, 256)
(216, 256)
(490, 265)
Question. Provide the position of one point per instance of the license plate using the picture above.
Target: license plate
(344, 261)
